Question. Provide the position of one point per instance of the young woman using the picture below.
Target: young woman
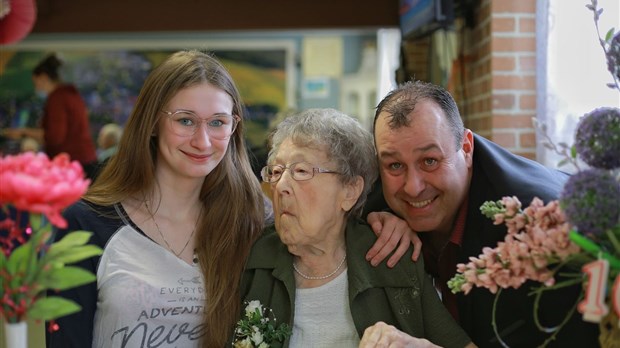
(176, 210)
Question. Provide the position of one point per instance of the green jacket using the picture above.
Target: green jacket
(402, 296)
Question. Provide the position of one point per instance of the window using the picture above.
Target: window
(572, 68)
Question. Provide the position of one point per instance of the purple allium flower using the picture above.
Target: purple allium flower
(591, 201)
(597, 140)
(613, 56)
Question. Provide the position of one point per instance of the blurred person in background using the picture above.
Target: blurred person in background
(107, 141)
(64, 124)
(107, 144)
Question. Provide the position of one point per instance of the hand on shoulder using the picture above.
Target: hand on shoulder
(393, 235)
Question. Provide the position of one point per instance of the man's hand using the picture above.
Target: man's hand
(393, 234)
(384, 335)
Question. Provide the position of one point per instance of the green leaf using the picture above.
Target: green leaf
(65, 278)
(573, 152)
(2, 269)
(19, 258)
(36, 220)
(71, 240)
(74, 238)
(74, 254)
(563, 162)
(2, 260)
(52, 307)
(609, 35)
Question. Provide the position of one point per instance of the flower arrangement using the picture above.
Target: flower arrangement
(537, 240)
(33, 193)
(259, 328)
(580, 231)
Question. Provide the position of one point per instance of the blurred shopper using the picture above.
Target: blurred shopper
(65, 116)
(107, 141)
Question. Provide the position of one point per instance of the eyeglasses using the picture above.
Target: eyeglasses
(185, 123)
(300, 171)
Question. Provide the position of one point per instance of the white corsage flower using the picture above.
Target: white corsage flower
(258, 328)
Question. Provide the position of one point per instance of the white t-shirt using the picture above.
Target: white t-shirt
(147, 296)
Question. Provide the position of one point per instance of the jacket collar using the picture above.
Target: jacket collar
(270, 253)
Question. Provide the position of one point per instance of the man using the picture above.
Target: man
(436, 174)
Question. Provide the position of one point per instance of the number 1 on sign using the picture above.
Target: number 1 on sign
(593, 307)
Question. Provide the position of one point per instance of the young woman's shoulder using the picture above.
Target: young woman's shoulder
(102, 221)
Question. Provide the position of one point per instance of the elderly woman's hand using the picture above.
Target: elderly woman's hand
(384, 335)
(393, 233)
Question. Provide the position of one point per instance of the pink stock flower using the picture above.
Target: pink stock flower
(537, 238)
(32, 182)
(512, 204)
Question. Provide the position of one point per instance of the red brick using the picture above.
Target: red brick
(503, 25)
(503, 101)
(484, 87)
(486, 104)
(513, 6)
(512, 121)
(527, 63)
(513, 44)
(514, 82)
(506, 140)
(479, 124)
(503, 63)
(527, 154)
(484, 49)
(474, 107)
(527, 25)
(527, 102)
(527, 139)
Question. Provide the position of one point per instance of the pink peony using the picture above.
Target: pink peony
(31, 182)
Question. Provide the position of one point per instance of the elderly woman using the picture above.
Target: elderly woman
(310, 270)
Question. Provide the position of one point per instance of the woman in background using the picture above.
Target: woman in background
(64, 123)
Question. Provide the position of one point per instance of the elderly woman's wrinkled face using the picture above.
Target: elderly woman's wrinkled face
(309, 212)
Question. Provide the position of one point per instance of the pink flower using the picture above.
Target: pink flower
(31, 182)
(537, 238)
(512, 204)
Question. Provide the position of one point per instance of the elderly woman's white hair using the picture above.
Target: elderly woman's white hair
(343, 139)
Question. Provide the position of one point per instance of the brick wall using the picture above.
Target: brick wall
(494, 77)
(500, 66)
(417, 58)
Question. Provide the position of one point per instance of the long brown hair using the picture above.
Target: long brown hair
(233, 214)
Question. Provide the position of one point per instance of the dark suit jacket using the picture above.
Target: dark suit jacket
(498, 173)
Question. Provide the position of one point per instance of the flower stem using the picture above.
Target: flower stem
(561, 285)
(614, 241)
(600, 40)
(594, 249)
(494, 322)
(553, 330)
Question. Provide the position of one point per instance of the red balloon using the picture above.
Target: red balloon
(18, 22)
